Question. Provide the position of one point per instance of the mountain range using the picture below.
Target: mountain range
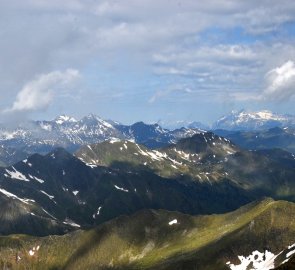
(249, 121)
(203, 174)
(246, 129)
(96, 194)
(280, 138)
(242, 120)
(65, 131)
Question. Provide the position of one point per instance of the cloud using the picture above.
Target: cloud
(279, 86)
(179, 89)
(39, 93)
(195, 42)
(280, 82)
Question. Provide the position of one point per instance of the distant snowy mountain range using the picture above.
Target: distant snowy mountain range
(69, 133)
(250, 121)
(242, 120)
(183, 123)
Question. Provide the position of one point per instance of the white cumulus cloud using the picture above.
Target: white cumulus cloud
(278, 86)
(280, 82)
(39, 93)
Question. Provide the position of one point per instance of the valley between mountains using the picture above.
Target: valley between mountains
(144, 197)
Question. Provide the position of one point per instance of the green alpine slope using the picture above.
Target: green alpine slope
(161, 239)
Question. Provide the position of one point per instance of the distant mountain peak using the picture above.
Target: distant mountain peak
(92, 118)
(64, 118)
(253, 120)
(178, 124)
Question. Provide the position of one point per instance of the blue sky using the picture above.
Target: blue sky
(145, 59)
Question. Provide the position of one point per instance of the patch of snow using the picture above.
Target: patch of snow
(89, 147)
(175, 162)
(75, 192)
(17, 175)
(88, 164)
(37, 179)
(91, 165)
(122, 189)
(174, 221)
(48, 213)
(11, 195)
(290, 253)
(154, 154)
(51, 197)
(71, 223)
(257, 261)
(98, 210)
(114, 140)
(285, 261)
(183, 155)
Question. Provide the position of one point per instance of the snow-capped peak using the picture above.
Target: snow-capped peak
(251, 120)
(94, 118)
(64, 118)
(260, 115)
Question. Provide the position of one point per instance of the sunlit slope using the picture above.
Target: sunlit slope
(161, 240)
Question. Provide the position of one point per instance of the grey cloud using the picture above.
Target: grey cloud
(40, 36)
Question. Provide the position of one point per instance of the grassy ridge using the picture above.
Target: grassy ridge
(145, 240)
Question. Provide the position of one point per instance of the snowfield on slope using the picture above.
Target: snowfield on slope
(256, 260)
